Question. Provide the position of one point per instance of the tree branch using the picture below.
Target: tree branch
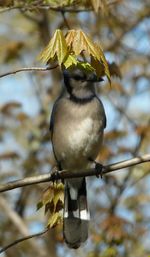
(22, 239)
(21, 227)
(73, 174)
(46, 7)
(28, 69)
(67, 8)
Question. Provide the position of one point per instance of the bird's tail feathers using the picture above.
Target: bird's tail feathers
(76, 214)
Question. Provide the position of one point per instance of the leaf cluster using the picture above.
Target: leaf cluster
(73, 50)
(53, 200)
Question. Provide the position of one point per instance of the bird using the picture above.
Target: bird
(77, 126)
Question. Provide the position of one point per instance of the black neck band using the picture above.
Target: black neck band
(79, 100)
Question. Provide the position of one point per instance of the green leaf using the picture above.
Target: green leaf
(57, 47)
(85, 66)
(39, 205)
(71, 60)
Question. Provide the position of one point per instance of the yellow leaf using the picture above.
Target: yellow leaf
(99, 68)
(66, 49)
(70, 38)
(115, 70)
(48, 195)
(71, 60)
(95, 4)
(58, 195)
(104, 62)
(77, 42)
(54, 220)
(59, 186)
(57, 47)
(100, 5)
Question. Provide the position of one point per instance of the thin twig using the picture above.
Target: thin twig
(28, 69)
(22, 239)
(66, 8)
(19, 225)
(9, 9)
(46, 7)
(65, 20)
(73, 173)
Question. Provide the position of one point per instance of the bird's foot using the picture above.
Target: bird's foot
(55, 174)
(99, 169)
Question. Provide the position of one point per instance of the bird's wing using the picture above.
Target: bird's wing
(103, 115)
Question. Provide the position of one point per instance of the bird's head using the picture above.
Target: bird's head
(79, 79)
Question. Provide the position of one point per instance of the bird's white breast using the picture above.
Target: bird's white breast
(81, 132)
(83, 136)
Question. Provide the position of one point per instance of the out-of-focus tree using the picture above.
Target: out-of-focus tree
(119, 203)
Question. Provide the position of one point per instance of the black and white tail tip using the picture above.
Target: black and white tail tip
(76, 215)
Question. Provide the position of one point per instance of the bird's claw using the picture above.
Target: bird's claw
(99, 169)
(55, 174)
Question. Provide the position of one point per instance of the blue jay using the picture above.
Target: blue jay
(77, 124)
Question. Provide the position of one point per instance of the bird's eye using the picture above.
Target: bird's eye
(78, 77)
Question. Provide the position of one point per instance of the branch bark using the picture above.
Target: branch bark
(28, 69)
(31, 7)
(73, 173)
(22, 240)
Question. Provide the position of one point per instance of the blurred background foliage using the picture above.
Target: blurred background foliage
(119, 204)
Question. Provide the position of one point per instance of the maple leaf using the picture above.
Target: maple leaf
(54, 220)
(78, 42)
(58, 195)
(48, 195)
(100, 4)
(53, 200)
(39, 205)
(70, 61)
(56, 48)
